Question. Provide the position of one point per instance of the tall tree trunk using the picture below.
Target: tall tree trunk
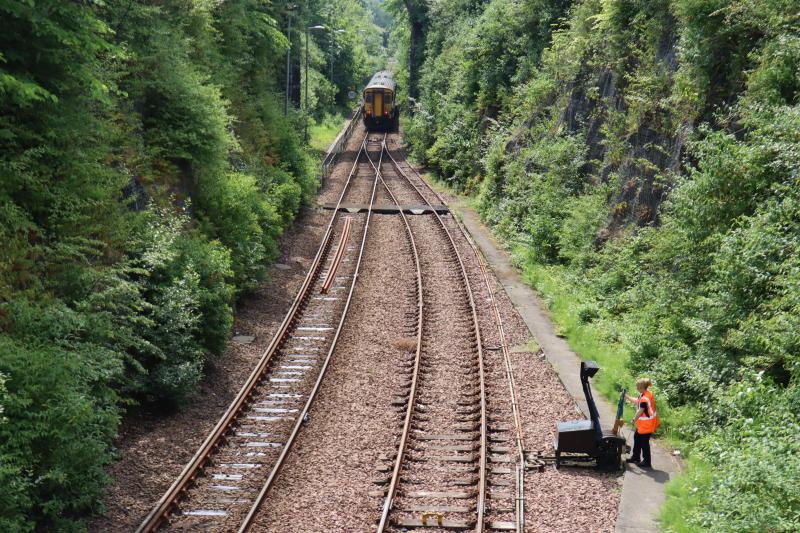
(418, 20)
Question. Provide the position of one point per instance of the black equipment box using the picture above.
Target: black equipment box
(576, 436)
(586, 439)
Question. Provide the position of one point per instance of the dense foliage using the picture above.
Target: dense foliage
(647, 154)
(147, 170)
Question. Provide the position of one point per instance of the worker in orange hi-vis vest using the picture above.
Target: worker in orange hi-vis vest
(646, 422)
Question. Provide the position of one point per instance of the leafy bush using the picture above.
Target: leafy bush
(186, 312)
(184, 118)
(54, 444)
(588, 314)
(579, 231)
(235, 211)
(176, 317)
(211, 262)
(743, 476)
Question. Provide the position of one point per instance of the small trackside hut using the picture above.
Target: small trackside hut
(380, 109)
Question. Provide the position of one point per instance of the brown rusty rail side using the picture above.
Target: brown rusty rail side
(520, 445)
(395, 478)
(172, 497)
(337, 258)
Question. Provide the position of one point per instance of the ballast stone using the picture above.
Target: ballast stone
(244, 339)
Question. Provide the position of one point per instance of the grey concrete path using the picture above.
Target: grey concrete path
(642, 490)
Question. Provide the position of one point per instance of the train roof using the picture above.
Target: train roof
(381, 80)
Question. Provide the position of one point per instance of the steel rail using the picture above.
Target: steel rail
(337, 258)
(171, 498)
(513, 391)
(248, 521)
(395, 478)
(520, 445)
(483, 420)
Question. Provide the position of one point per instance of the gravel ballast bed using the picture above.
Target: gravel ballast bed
(448, 374)
(325, 482)
(569, 499)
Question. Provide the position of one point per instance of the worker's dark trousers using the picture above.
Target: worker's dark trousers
(641, 446)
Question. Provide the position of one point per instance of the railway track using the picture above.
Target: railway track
(445, 391)
(224, 484)
(455, 467)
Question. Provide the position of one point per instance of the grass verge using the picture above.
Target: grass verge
(322, 134)
(681, 500)
(566, 301)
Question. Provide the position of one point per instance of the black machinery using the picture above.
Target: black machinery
(585, 440)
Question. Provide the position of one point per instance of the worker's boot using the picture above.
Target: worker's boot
(631, 460)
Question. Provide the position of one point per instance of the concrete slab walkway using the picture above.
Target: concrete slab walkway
(642, 490)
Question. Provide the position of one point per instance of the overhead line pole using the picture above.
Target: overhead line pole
(305, 103)
(305, 99)
(288, 63)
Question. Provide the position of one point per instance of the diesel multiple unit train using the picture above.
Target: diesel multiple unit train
(380, 109)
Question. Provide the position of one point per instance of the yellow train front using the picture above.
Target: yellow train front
(380, 111)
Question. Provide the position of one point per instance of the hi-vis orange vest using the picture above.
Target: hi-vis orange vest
(648, 421)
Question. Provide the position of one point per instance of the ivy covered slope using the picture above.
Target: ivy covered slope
(643, 158)
(146, 172)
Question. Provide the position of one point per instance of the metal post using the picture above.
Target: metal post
(305, 101)
(305, 105)
(288, 66)
(330, 67)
